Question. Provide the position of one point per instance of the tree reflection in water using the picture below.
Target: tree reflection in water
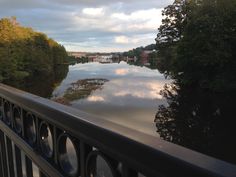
(199, 120)
(42, 84)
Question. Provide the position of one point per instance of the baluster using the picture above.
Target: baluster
(29, 168)
(127, 172)
(41, 174)
(1, 170)
(18, 161)
(10, 157)
(84, 151)
(3, 155)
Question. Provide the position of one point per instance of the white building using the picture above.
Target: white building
(103, 59)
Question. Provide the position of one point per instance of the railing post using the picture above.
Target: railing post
(1, 170)
(41, 174)
(127, 172)
(3, 155)
(18, 161)
(84, 151)
(28, 166)
(10, 158)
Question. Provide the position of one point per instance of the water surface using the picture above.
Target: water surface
(129, 96)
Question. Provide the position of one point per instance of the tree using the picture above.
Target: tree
(205, 56)
(171, 32)
(199, 36)
(201, 99)
(25, 53)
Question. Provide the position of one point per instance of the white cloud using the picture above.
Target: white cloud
(93, 11)
(121, 71)
(138, 15)
(146, 89)
(95, 98)
(126, 40)
(121, 40)
(82, 25)
(141, 20)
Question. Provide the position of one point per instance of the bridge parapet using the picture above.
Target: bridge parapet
(61, 141)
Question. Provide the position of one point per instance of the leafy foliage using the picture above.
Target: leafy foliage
(25, 53)
(138, 51)
(197, 49)
(206, 54)
(171, 32)
(197, 43)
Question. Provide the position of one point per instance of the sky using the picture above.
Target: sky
(91, 25)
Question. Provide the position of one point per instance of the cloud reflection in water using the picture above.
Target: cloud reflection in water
(130, 97)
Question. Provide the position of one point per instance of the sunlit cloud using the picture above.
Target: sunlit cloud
(147, 90)
(138, 15)
(154, 86)
(125, 71)
(123, 88)
(93, 11)
(121, 72)
(95, 99)
(121, 40)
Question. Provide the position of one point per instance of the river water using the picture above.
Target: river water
(130, 96)
(125, 94)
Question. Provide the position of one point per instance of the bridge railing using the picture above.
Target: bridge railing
(40, 137)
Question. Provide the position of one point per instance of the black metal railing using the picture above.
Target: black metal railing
(40, 137)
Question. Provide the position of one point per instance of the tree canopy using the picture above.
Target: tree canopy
(197, 49)
(197, 43)
(25, 53)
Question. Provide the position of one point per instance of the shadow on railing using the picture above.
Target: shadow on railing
(36, 133)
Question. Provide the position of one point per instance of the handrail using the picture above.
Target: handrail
(43, 131)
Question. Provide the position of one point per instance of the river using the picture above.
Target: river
(130, 96)
(125, 94)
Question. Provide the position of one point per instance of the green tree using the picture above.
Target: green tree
(196, 43)
(25, 53)
(206, 54)
(203, 66)
(171, 32)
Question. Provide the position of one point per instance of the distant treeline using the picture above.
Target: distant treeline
(25, 53)
(137, 52)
